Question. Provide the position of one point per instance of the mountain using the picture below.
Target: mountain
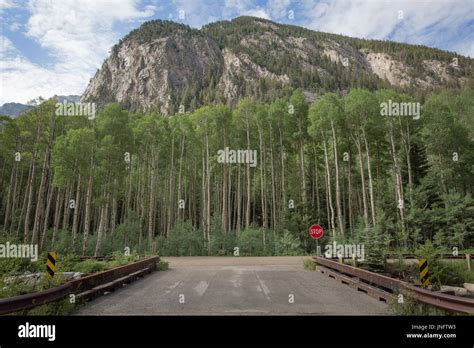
(163, 64)
(15, 109)
(69, 98)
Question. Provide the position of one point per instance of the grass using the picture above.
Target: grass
(162, 265)
(441, 272)
(61, 307)
(410, 306)
(65, 263)
(455, 273)
(309, 264)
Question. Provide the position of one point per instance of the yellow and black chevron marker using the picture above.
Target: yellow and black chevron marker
(424, 272)
(51, 264)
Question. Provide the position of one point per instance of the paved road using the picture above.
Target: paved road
(235, 285)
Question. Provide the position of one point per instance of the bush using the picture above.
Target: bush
(119, 259)
(125, 235)
(67, 262)
(63, 243)
(61, 307)
(182, 240)
(162, 265)
(12, 289)
(433, 258)
(413, 307)
(455, 273)
(288, 244)
(90, 266)
(250, 242)
(309, 264)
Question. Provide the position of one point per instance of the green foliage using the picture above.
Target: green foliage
(61, 307)
(119, 259)
(152, 30)
(9, 289)
(66, 262)
(250, 242)
(412, 307)
(133, 203)
(63, 244)
(20, 265)
(309, 264)
(182, 240)
(162, 265)
(46, 282)
(455, 273)
(433, 258)
(90, 266)
(288, 244)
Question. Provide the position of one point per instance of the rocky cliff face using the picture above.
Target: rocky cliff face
(146, 75)
(163, 65)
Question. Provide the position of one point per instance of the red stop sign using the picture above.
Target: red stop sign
(316, 231)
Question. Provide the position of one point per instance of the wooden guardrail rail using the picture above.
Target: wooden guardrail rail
(444, 301)
(87, 286)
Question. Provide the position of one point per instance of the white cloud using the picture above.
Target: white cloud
(22, 80)
(6, 47)
(239, 6)
(195, 13)
(257, 12)
(431, 23)
(235, 8)
(77, 35)
(278, 8)
(466, 49)
(14, 26)
(198, 14)
(7, 4)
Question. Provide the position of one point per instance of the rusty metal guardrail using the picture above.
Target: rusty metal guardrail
(443, 301)
(34, 299)
(31, 300)
(93, 280)
(371, 277)
(442, 256)
(98, 258)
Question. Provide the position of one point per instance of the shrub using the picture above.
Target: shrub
(413, 307)
(61, 307)
(288, 244)
(182, 240)
(67, 262)
(90, 266)
(250, 242)
(309, 264)
(455, 273)
(19, 265)
(119, 259)
(433, 258)
(162, 265)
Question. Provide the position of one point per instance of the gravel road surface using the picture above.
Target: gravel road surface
(235, 286)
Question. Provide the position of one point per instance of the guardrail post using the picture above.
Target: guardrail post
(468, 259)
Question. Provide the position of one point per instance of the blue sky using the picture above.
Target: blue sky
(52, 47)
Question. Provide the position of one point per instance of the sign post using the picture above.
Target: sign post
(316, 232)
